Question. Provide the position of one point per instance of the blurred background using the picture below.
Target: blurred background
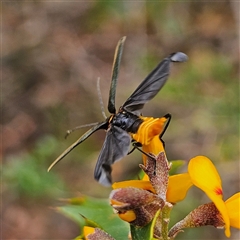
(53, 53)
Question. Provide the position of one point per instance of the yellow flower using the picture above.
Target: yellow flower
(205, 176)
(149, 134)
(135, 205)
(178, 186)
(201, 173)
(233, 205)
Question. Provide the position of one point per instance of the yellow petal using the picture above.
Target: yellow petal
(155, 146)
(146, 185)
(145, 177)
(128, 216)
(116, 203)
(88, 230)
(205, 176)
(149, 128)
(178, 186)
(233, 207)
(148, 135)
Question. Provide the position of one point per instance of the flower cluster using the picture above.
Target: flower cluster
(151, 199)
(138, 201)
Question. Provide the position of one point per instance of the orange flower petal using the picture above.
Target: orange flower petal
(155, 146)
(233, 207)
(205, 176)
(178, 187)
(148, 135)
(149, 128)
(128, 216)
(145, 177)
(146, 185)
(116, 203)
(88, 230)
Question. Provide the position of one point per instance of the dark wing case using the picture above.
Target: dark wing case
(115, 147)
(152, 84)
(115, 71)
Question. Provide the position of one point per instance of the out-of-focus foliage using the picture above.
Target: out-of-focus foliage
(95, 213)
(52, 55)
(26, 176)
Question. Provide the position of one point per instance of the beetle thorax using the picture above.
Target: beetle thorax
(127, 121)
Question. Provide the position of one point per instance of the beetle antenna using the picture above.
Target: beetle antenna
(78, 127)
(100, 98)
(136, 146)
(90, 124)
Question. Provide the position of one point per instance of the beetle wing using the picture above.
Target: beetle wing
(115, 71)
(115, 147)
(102, 125)
(152, 84)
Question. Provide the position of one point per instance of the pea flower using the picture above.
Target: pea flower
(204, 175)
(136, 204)
(149, 134)
(219, 213)
(201, 173)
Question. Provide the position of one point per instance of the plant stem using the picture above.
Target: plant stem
(166, 219)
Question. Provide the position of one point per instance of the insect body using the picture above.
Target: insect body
(126, 125)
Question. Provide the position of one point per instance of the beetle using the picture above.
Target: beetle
(127, 124)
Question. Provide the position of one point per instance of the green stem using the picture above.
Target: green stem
(166, 219)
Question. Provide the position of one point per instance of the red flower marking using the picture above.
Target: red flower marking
(218, 191)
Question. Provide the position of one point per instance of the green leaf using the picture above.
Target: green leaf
(146, 232)
(95, 212)
(176, 164)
